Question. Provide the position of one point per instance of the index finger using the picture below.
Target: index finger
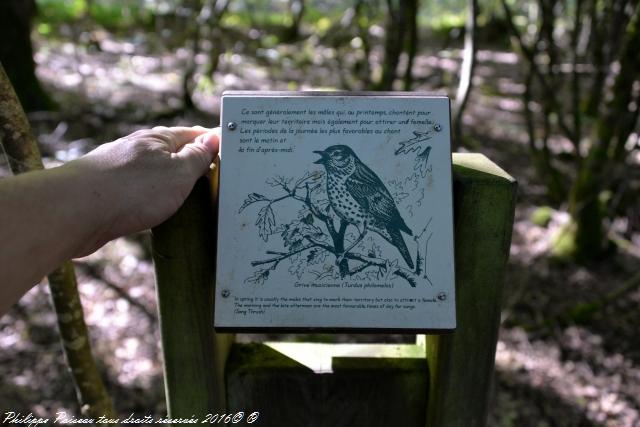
(180, 135)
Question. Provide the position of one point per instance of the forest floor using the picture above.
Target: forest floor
(549, 371)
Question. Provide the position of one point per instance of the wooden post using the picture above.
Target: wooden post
(194, 356)
(461, 364)
(338, 385)
(364, 386)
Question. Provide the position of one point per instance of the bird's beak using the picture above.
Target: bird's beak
(322, 159)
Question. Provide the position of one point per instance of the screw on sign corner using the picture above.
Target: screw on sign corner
(442, 296)
(225, 293)
(437, 127)
(232, 126)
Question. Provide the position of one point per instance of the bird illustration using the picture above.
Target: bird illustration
(359, 197)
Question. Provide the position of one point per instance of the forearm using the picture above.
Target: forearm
(46, 218)
(119, 188)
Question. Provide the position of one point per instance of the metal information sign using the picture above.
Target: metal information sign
(335, 212)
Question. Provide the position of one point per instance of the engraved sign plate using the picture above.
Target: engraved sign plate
(335, 212)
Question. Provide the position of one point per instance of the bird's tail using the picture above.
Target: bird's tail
(397, 241)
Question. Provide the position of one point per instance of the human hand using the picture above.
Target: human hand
(141, 179)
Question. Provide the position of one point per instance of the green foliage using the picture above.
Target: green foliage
(440, 16)
(582, 312)
(322, 25)
(61, 10)
(542, 216)
(248, 19)
(115, 14)
(444, 21)
(270, 40)
(563, 243)
(43, 28)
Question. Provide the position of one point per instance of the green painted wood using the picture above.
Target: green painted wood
(357, 391)
(194, 356)
(461, 364)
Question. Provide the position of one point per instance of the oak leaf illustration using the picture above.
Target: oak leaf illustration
(266, 222)
(252, 198)
(413, 144)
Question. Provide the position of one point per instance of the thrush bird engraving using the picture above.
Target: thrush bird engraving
(359, 197)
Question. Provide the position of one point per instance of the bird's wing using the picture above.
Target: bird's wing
(395, 238)
(369, 191)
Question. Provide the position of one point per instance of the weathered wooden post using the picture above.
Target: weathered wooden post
(194, 355)
(461, 364)
(361, 384)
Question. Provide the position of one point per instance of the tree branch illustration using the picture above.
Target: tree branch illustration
(304, 236)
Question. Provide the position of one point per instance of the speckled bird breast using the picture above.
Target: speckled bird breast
(343, 204)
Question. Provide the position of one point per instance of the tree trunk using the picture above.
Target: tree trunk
(216, 11)
(394, 42)
(542, 159)
(611, 133)
(362, 12)
(466, 70)
(196, 13)
(412, 42)
(16, 53)
(297, 8)
(24, 156)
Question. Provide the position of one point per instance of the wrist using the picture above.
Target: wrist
(95, 213)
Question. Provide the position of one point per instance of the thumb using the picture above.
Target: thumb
(198, 154)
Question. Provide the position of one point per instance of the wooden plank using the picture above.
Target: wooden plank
(194, 356)
(461, 364)
(319, 357)
(367, 391)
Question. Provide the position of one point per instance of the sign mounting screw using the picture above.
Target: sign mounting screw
(232, 126)
(437, 127)
(225, 293)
